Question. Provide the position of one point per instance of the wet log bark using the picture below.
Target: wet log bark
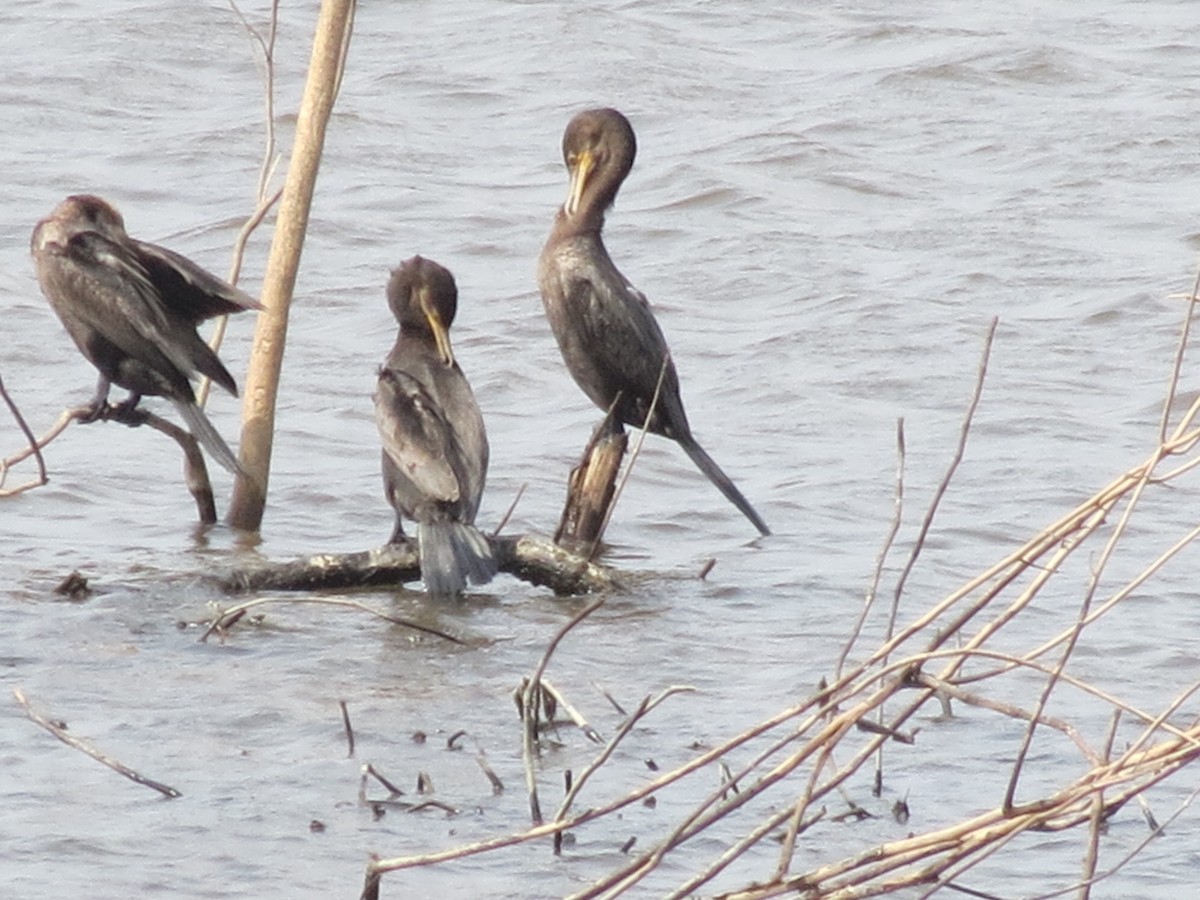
(527, 557)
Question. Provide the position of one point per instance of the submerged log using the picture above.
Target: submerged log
(529, 558)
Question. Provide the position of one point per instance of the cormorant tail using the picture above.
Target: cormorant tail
(453, 553)
(203, 430)
(709, 467)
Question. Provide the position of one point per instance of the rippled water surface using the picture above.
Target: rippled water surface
(829, 206)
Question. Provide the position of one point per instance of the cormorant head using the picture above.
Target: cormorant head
(424, 298)
(599, 147)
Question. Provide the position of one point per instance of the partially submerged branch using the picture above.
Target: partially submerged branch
(529, 558)
(60, 732)
(195, 470)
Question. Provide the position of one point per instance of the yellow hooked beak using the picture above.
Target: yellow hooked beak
(441, 335)
(581, 169)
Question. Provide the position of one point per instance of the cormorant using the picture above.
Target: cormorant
(435, 449)
(132, 309)
(605, 328)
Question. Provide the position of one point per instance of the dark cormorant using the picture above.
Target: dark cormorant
(605, 328)
(132, 309)
(435, 450)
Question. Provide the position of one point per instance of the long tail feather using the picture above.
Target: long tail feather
(453, 553)
(708, 466)
(200, 426)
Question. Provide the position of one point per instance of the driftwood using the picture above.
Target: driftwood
(529, 558)
(591, 490)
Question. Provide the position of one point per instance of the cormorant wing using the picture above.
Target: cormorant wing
(416, 436)
(123, 304)
(624, 343)
(190, 291)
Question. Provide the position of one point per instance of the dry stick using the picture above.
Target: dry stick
(267, 46)
(1068, 814)
(1177, 364)
(34, 450)
(221, 616)
(1076, 630)
(266, 170)
(1128, 857)
(511, 509)
(959, 693)
(1153, 726)
(195, 470)
(884, 551)
(643, 709)
(689, 827)
(1007, 709)
(239, 251)
(377, 867)
(65, 418)
(701, 818)
(944, 485)
(1092, 856)
(330, 44)
(1105, 607)
(821, 740)
(633, 457)
(346, 726)
(380, 866)
(964, 840)
(1085, 528)
(71, 741)
(1093, 521)
(698, 820)
(572, 713)
(530, 706)
(935, 503)
(1079, 519)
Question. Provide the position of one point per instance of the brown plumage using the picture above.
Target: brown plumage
(132, 309)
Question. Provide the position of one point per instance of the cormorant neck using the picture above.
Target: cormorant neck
(588, 219)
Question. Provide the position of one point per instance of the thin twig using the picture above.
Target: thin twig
(633, 457)
(218, 621)
(33, 446)
(71, 741)
(530, 706)
(348, 728)
(884, 551)
(512, 507)
(1177, 363)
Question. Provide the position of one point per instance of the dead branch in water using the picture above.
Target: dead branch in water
(531, 699)
(227, 618)
(60, 732)
(529, 558)
(195, 470)
(798, 763)
(33, 449)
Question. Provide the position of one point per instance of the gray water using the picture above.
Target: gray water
(830, 204)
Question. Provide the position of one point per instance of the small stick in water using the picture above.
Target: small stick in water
(349, 729)
(60, 732)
